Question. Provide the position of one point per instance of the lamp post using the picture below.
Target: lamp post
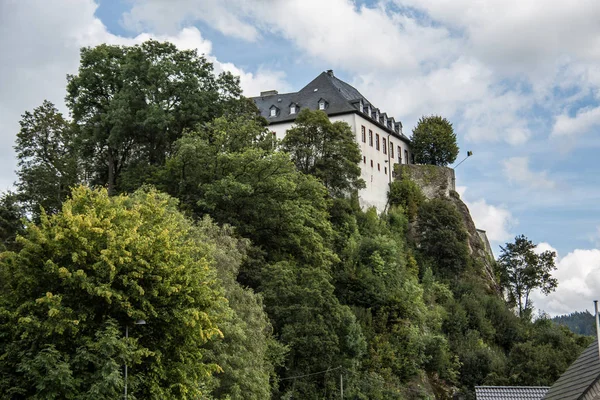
(469, 154)
(138, 322)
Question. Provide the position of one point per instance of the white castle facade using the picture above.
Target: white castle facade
(379, 136)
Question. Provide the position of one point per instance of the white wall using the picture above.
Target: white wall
(377, 179)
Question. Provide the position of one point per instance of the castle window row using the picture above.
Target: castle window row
(384, 145)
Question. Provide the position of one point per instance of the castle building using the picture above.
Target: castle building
(378, 135)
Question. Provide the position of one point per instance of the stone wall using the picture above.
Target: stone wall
(433, 181)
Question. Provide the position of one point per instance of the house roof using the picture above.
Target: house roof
(579, 377)
(341, 98)
(510, 392)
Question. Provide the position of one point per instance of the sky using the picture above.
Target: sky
(519, 80)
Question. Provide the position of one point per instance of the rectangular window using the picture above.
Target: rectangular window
(384, 140)
(399, 154)
(293, 110)
(406, 156)
(385, 170)
(377, 141)
(370, 138)
(364, 159)
(321, 106)
(371, 163)
(273, 112)
(378, 167)
(363, 134)
(391, 149)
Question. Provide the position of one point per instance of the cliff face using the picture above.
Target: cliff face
(439, 182)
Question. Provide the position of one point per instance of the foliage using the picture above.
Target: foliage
(131, 103)
(442, 238)
(48, 166)
(11, 216)
(522, 270)
(326, 150)
(407, 194)
(85, 273)
(434, 141)
(582, 323)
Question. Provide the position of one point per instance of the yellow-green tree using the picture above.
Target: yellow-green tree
(83, 275)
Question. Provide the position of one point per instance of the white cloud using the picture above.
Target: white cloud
(582, 122)
(578, 275)
(497, 221)
(517, 170)
(40, 41)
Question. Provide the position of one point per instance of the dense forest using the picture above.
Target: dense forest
(240, 267)
(582, 323)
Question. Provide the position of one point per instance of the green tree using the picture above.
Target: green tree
(434, 141)
(132, 103)
(522, 270)
(48, 159)
(11, 217)
(326, 150)
(442, 237)
(84, 274)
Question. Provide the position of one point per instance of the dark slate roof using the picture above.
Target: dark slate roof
(341, 98)
(579, 377)
(510, 392)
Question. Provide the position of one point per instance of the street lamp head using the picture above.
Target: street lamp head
(140, 322)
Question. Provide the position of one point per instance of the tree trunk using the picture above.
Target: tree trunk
(111, 173)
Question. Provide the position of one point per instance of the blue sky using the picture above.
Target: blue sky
(519, 79)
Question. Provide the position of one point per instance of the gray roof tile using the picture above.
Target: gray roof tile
(341, 98)
(579, 377)
(510, 392)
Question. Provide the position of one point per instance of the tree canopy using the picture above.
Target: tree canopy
(522, 270)
(434, 141)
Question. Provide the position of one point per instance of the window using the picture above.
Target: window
(321, 105)
(273, 112)
(406, 156)
(399, 154)
(385, 170)
(378, 167)
(370, 138)
(364, 159)
(391, 149)
(292, 109)
(361, 107)
(384, 145)
(371, 163)
(377, 141)
(363, 134)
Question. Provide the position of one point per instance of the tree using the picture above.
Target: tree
(434, 141)
(48, 159)
(11, 225)
(132, 103)
(442, 237)
(522, 270)
(84, 274)
(326, 150)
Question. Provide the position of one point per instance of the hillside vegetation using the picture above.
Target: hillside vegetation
(164, 198)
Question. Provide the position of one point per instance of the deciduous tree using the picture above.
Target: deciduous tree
(434, 141)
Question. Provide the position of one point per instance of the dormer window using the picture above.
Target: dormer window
(360, 106)
(273, 111)
(322, 104)
(369, 111)
(293, 108)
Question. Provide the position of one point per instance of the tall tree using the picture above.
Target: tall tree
(48, 159)
(132, 103)
(86, 273)
(326, 150)
(434, 141)
(11, 225)
(522, 270)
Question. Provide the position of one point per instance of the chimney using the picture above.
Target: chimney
(330, 72)
(268, 93)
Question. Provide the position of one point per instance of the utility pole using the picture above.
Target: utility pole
(342, 384)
